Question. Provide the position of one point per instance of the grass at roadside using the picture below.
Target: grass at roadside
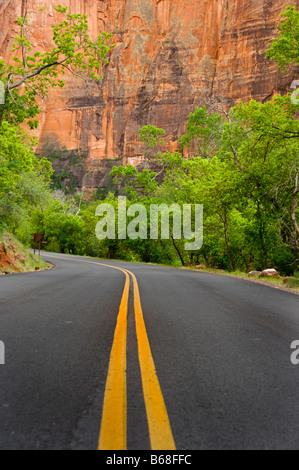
(265, 280)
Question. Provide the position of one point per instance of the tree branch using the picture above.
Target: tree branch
(74, 73)
(293, 135)
(38, 72)
(236, 158)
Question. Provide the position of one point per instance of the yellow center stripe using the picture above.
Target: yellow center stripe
(158, 422)
(113, 433)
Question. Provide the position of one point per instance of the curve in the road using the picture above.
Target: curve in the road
(114, 416)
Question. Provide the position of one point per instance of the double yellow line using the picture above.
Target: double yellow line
(113, 432)
(113, 435)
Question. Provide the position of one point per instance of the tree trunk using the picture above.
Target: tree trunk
(178, 252)
(2, 106)
(1, 113)
(294, 204)
(261, 234)
(228, 247)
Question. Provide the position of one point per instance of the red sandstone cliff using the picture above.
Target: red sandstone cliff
(170, 55)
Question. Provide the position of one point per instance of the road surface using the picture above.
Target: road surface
(170, 359)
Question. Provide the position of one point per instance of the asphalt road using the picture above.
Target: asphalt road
(220, 347)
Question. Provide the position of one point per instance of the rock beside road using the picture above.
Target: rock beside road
(254, 273)
(270, 273)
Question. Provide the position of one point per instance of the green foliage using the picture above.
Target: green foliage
(204, 129)
(132, 182)
(23, 177)
(245, 183)
(33, 72)
(285, 48)
(150, 137)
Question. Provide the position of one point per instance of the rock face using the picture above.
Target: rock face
(170, 56)
(14, 258)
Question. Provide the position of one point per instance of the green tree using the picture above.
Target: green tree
(249, 188)
(285, 51)
(285, 48)
(150, 136)
(24, 179)
(33, 73)
(204, 130)
(134, 184)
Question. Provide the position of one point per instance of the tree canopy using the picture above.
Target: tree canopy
(285, 48)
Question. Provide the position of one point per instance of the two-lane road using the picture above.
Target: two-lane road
(79, 343)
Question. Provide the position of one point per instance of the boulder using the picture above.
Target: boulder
(270, 273)
(20, 258)
(254, 273)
